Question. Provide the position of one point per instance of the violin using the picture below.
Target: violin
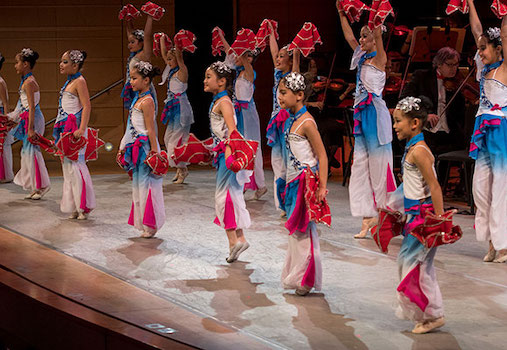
(469, 88)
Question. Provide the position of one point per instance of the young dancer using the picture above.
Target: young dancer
(33, 175)
(140, 47)
(230, 207)
(371, 175)
(147, 213)
(177, 113)
(489, 139)
(246, 112)
(303, 268)
(6, 173)
(74, 109)
(419, 297)
(275, 131)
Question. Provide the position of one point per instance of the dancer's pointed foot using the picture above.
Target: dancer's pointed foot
(429, 325)
(260, 192)
(502, 256)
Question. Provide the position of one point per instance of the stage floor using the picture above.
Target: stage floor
(185, 264)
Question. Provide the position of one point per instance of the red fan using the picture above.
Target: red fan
(306, 39)
(68, 146)
(499, 8)
(390, 225)
(242, 152)
(157, 49)
(317, 211)
(435, 231)
(217, 46)
(245, 41)
(120, 160)
(153, 10)
(194, 151)
(44, 143)
(93, 145)
(158, 163)
(380, 9)
(262, 36)
(353, 9)
(457, 5)
(6, 124)
(128, 13)
(184, 41)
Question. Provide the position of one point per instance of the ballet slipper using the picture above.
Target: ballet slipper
(147, 234)
(490, 256)
(303, 291)
(502, 256)
(260, 192)
(29, 196)
(428, 326)
(283, 214)
(233, 252)
(182, 175)
(82, 216)
(244, 247)
(366, 227)
(176, 175)
(74, 215)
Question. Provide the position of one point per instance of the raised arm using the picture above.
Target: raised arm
(224, 41)
(130, 28)
(148, 40)
(348, 34)
(475, 22)
(183, 72)
(380, 59)
(84, 98)
(249, 71)
(163, 48)
(273, 45)
(504, 38)
(296, 59)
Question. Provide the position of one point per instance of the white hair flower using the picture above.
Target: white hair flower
(138, 34)
(295, 81)
(493, 33)
(27, 52)
(221, 67)
(144, 68)
(408, 104)
(76, 56)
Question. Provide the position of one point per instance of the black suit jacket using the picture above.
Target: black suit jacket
(424, 82)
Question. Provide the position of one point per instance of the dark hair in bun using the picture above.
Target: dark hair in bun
(146, 70)
(30, 56)
(78, 57)
(416, 108)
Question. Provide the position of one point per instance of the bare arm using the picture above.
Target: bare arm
(148, 40)
(227, 111)
(504, 39)
(148, 108)
(4, 98)
(163, 48)
(348, 34)
(312, 134)
(475, 22)
(380, 59)
(296, 58)
(84, 98)
(273, 45)
(30, 89)
(183, 72)
(248, 73)
(224, 41)
(130, 28)
(421, 158)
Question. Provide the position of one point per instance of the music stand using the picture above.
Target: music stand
(426, 41)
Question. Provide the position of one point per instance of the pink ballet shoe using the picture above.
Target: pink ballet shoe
(181, 176)
(82, 216)
(428, 326)
(502, 256)
(233, 252)
(490, 256)
(74, 215)
(366, 227)
(260, 192)
(303, 291)
(147, 234)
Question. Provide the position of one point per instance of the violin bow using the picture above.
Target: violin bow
(457, 91)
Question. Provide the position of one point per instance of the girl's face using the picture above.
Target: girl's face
(283, 60)
(212, 83)
(366, 40)
(171, 60)
(20, 66)
(134, 44)
(404, 126)
(287, 98)
(66, 65)
(138, 82)
(488, 52)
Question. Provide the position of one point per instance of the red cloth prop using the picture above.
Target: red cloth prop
(457, 5)
(217, 46)
(390, 224)
(153, 10)
(435, 231)
(128, 13)
(158, 163)
(157, 48)
(306, 39)
(184, 41)
(194, 151)
(317, 211)
(93, 145)
(43, 143)
(242, 152)
(380, 9)
(353, 9)
(245, 41)
(5, 126)
(262, 36)
(499, 8)
(68, 146)
(120, 160)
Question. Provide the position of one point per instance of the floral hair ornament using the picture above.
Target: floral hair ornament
(408, 104)
(138, 34)
(76, 56)
(221, 67)
(286, 48)
(27, 52)
(494, 33)
(143, 67)
(295, 82)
